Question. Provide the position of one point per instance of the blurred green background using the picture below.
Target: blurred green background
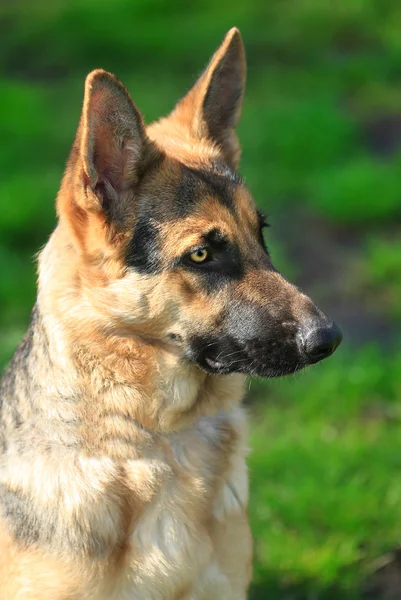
(321, 133)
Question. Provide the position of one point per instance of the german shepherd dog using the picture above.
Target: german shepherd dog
(123, 473)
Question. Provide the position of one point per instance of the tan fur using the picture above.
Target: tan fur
(187, 125)
(149, 458)
(122, 449)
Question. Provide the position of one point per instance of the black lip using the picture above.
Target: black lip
(211, 366)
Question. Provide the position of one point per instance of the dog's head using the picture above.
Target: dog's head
(170, 241)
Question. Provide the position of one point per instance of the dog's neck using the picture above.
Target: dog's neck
(107, 386)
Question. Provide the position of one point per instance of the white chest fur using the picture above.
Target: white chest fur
(181, 546)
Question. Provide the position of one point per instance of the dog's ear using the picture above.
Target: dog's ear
(109, 156)
(111, 149)
(212, 108)
(114, 147)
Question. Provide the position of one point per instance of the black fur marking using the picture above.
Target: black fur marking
(224, 267)
(215, 238)
(188, 192)
(224, 171)
(218, 181)
(262, 219)
(16, 508)
(143, 252)
(30, 524)
(17, 382)
(262, 225)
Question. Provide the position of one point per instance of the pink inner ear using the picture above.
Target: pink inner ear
(100, 103)
(108, 156)
(113, 141)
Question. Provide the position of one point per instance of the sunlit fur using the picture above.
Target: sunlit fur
(123, 471)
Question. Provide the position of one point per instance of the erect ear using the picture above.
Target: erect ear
(112, 144)
(212, 108)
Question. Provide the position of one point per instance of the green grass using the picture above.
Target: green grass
(325, 486)
(379, 271)
(350, 193)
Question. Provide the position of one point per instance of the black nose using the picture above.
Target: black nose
(320, 341)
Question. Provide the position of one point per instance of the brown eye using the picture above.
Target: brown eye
(199, 256)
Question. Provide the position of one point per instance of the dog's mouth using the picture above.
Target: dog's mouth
(214, 364)
(240, 361)
(251, 367)
(219, 367)
(261, 357)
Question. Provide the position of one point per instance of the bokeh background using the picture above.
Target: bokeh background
(321, 133)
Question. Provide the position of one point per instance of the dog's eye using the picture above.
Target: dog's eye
(199, 256)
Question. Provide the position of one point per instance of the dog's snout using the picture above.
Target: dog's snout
(320, 340)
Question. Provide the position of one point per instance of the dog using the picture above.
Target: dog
(123, 441)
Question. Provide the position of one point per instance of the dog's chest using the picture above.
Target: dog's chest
(167, 523)
(178, 503)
